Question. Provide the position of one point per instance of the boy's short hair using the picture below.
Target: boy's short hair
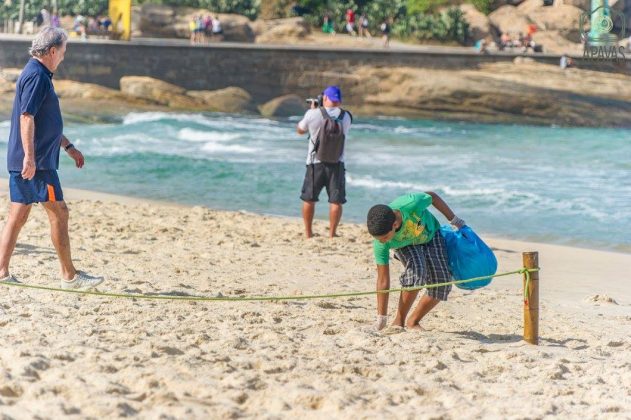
(380, 220)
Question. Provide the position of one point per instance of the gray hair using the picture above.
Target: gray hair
(46, 39)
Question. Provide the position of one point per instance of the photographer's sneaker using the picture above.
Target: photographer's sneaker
(82, 281)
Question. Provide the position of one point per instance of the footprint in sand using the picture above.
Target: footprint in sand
(601, 299)
(392, 329)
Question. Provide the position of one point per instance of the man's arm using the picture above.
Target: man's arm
(27, 133)
(64, 142)
(72, 151)
(442, 207)
(303, 125)
(383, 283)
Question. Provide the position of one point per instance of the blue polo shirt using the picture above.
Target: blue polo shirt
(35, 95)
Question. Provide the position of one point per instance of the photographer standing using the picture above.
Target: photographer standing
(327, 125)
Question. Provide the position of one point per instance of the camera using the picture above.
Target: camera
(317, 101)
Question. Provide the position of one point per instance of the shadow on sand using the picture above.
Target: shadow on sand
(576, 343)
(23, 249)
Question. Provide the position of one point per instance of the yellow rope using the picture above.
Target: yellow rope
(261, 298)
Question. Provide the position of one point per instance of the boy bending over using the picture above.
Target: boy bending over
(407, 227)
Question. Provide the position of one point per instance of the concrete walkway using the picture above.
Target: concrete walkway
(362, 45)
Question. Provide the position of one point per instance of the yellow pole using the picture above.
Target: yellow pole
(531, 299)
(120, 13)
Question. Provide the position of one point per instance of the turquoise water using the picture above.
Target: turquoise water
(559, 185)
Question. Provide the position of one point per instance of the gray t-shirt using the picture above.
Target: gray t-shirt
(313, 121)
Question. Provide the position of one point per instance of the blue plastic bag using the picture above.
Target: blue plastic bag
(468, 256)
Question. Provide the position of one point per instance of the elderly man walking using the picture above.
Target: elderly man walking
(35, 140)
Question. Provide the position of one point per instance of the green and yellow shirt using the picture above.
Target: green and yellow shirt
(418, 225)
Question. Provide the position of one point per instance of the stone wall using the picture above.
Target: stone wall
(264, 71)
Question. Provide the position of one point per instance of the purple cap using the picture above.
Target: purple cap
(333, 93)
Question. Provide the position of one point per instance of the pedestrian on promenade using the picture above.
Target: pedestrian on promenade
(386, 26)
(350, 22)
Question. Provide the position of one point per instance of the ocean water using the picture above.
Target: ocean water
(549, 184)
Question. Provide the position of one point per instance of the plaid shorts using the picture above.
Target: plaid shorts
(426, 264)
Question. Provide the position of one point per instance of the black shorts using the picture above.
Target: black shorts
(325, 175)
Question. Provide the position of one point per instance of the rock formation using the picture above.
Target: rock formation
(281, 30)
(231, 99)
(283, 106)
(524, 92)
(173, 22)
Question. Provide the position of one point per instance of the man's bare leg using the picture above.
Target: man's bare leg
(425, 305)
(308, 209)
(58, 217)
(18, 215)
(406, 299)
(335, 215)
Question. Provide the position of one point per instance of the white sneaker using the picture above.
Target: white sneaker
(10, 278)
(82, 281)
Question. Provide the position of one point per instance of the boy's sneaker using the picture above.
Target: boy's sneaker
(10, 278)
(82, 281)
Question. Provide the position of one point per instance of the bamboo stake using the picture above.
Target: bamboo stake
(531, 302)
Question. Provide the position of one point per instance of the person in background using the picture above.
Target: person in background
(78, 26)
(192, 28)
(45, 17)
(93, 25)
(350, 22)
(566, 62)
(481, 46)
(54, 20)
(327, 25)
(200, 29)
(105, 23)
(329, 175)
(505, 41)
(208, 26)
(363, 26)
(385, 32)
(217, 29)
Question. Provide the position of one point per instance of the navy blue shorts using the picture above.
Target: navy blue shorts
(44, 186)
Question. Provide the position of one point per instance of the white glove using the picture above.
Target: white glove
(457, 222)
(382, 321)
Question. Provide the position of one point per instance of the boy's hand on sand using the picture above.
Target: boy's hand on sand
(457, 222)
(382, 321)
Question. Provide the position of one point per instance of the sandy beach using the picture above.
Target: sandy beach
(95, 357)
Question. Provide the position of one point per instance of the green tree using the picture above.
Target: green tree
(274, 9)
(448, 26)
(380, 10)
(423, 6)
(249, 8)
(32, 8)
(483, 5)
